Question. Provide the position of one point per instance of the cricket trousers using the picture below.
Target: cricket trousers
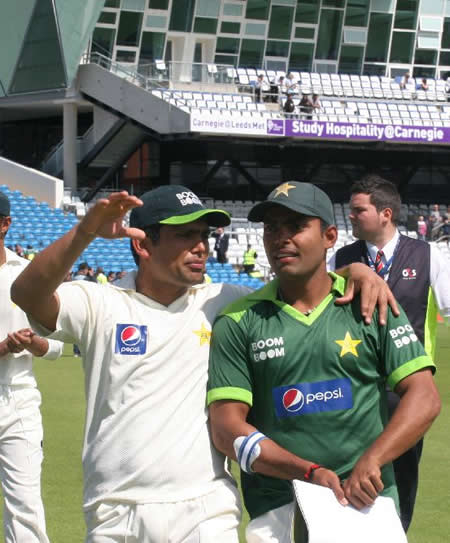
(211, 518)
(20, 464)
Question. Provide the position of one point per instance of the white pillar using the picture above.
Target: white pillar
(70, 144)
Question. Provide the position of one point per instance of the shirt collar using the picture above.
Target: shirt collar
(388, 249)
(270, 291)
(12, 257)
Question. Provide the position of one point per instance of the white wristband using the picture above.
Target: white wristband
(247, 450)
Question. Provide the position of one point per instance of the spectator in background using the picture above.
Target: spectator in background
(101, 277)
(445, 230)
(291, 84)
(18, 249)
(436, 213)
(120, 275)
(90, 276)
(289, 106)
(423, 85)
(261, 86)
(405, 81)
(306, 106)
(250, 257)
(221, 245)
(316, 102)
(273, 92)
(111, 277)
(29, 253)
(82, 272)
(281, 84)
(421, 228)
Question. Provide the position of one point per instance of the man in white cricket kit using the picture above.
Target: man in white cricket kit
(151, 473)
(20, 418)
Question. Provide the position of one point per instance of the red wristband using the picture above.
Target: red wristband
(310, 472)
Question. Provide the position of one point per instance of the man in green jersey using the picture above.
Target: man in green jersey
(296, 386)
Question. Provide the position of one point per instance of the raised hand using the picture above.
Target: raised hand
(105, 218)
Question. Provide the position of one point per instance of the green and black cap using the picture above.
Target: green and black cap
(174, 204)
(303, 198)
(5, 207)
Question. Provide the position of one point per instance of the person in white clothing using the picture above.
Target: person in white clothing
(21, 430)
(151, 473)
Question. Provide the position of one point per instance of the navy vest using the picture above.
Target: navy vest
(409, 276)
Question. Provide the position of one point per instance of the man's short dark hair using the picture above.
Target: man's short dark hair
(154, 233)
(383, 194)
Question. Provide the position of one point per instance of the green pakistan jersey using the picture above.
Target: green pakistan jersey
(315, 384)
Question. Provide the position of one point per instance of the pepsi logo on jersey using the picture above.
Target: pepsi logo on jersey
(131, 339)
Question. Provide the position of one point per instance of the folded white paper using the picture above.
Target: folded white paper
(327, 521)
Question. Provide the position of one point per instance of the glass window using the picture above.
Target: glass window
(357, 13)
(281, 22)
(203, 25)
(158, 4)
(225, 59)
(354, 37)
(103, 41)
(229, 46)
(251, 53)
(351, 59)
(301, 57)
(305, 33)
(402, 47)
(255, 29)
(152, 47)
(277, 48)
(136, 5)
(40, 65)
(257, 9)
(107, 17)
(129, 28)
(112, 3)
(333, 3)
(208, 8)
(419, 72)
(125, 56)
(444, 58)
(432, 7)
(232, 9)
(157, 21)
(406, 14)
(307, 11)
(181, 15)
(378, 37)
(385, 6)
(428, 42)
(230, 28)
(374, 69)
(425, 56)
(430, 24)
(329, 35)
(445, 42)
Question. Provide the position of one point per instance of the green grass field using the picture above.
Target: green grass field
(61, 385)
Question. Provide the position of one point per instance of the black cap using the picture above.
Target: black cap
(303, 198)
(5, 207)
(174, 204)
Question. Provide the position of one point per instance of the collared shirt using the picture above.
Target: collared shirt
(16, 368)
(439, 271)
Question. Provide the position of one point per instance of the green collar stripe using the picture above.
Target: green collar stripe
(416, 364)
(229, 393)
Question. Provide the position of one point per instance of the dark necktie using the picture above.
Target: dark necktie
(379, 262)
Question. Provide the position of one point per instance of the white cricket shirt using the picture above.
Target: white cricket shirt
(17, 368)
(146, 433)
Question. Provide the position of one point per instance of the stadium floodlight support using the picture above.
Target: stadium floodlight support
(70, 122)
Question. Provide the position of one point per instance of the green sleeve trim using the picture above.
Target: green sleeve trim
(429, 340)
(229, 393)
(410, 367)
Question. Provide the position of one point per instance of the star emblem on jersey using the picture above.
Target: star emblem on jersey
(283, 189)
(204, 334)
(348, 345)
